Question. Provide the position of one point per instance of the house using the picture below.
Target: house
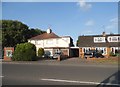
(106, 43)
(52, 43)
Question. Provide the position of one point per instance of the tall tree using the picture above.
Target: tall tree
(34, 32)
(14, 32)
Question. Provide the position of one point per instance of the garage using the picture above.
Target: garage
(74, 51)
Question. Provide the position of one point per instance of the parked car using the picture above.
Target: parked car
(57, 54)
(88, 54)
(93, 53)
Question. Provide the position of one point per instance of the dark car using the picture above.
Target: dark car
(93, 53)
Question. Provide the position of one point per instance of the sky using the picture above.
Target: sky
(65, 18)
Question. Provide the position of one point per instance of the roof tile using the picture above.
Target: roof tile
(45, 36)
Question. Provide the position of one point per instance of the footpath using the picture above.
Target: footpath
(65, 62)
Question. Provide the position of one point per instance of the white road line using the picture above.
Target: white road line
(82, 82)
(1, 76)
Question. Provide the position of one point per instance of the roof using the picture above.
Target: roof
(45, 36)
(88, 41)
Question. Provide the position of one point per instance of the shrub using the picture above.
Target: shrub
(112, 54)
(40, 52)
(24, 52)
(118, 54)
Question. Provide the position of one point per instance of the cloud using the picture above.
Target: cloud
(90, 23)
(87, 32)
(83, 5)
(113, 25)
(114, 20)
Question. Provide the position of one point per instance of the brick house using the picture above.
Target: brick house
(52, 43)
(106, 43)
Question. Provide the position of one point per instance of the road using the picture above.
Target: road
(45, 74)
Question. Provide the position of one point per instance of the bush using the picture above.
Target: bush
(118, 54)
(40, 52)
(24, 52)
(112, 54)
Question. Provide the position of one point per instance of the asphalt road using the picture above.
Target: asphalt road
(45, 74)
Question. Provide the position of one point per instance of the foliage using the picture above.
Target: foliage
(0, 35)
(118, 54)
(78, 41)
(40, 52)
(24, 52)
(15, 32)
(34, 32)
(71, 42)
(112, 54)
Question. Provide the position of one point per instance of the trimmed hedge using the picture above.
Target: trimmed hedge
(24, 52)
(40, 52)
(112, 54)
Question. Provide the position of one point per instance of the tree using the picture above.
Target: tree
(34, 32)
(78, 41)
(40, 52)
(71, 42)
(24, 52)
(15, 32)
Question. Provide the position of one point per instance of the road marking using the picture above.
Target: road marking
(82, 82)
(1, 76)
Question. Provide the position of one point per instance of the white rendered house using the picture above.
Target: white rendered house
(52, 43)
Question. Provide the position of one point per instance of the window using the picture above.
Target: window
(86, 49)
(102, 50)
(112, 49)
(118, 39)
(109, 39)
(99, 39)
(9, 53)
(49, 42)
(114, 38)
(38, 42)
(115, 50)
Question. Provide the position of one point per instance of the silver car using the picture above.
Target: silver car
(57, 54)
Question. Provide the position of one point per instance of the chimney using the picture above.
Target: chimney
(49, 31)
(104, 34)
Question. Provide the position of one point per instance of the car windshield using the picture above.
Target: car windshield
(58, 53)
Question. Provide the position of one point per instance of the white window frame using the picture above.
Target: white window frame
(102, 48)
(9, 53)
(113, 39)
(86, 49)
(114, 48)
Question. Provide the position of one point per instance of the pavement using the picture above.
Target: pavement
(66, 62)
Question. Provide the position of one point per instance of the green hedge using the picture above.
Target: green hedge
(112, 54)
(40, 52)
(24, 52)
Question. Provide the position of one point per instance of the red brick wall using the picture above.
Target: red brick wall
(81, 54)
(65, 52)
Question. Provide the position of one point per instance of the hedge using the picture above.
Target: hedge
(24, 52)
(40, 52)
